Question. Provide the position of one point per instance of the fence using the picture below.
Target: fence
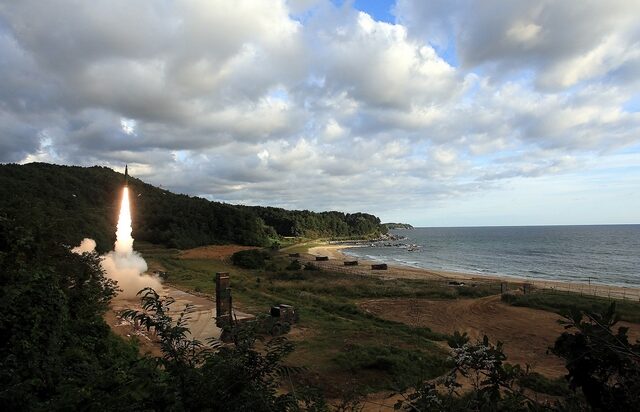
(366, 271)
(583, 287)
(589, 289)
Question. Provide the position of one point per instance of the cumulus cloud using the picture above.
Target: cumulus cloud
(305, 104)
(564, 42)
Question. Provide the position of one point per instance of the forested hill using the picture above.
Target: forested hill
(397, 226)
(323, 224)
(77, 202)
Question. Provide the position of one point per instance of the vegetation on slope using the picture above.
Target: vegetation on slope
(347, 350)
(77, 202)
(324, 224)
(397, 226)
(564, 303)
(57, 352)
(338, 331)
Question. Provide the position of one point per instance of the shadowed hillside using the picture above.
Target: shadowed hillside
(79, 202)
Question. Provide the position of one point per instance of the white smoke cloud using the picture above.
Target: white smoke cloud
(124, 265)
(128, 269)
(86, 246)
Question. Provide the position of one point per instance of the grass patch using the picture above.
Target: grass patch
(301, 247)
(565, 302)
(540, 384)
(337, 328)
(385, 366)
(251, 259)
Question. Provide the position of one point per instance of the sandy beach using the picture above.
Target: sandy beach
(336, 259)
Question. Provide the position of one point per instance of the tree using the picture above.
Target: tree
(601, 362)
(495, 384)
(218, 377)
(56, 351)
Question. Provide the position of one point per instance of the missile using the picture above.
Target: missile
(126, 175)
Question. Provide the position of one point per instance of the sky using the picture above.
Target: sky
(435, 113)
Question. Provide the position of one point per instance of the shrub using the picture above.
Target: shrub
(400, 366)
(294, 265)
(601, 360)
(289, 276)
(250, 259)
(564, 303)
(540, 384)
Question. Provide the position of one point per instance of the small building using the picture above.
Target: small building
(322, 258)
(379, 266)
(351, 263)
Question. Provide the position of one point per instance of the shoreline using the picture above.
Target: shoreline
(397, 270)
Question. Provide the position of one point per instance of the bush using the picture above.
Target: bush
(294, 265)
(251, 259)
(235, 377)
(540, 384)
(399, 366)
(564, 303)
(601, 360)
(289, 276)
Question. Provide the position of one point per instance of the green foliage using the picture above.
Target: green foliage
(294, 265)
(564, 303)
(330, 317)
(602, 362)
(56, 352)
(540, 384)
(251, 259)
(78, 202)
(458, 340)
(392, 226)
(401, 367)
(304, 223)
(234, 377)
(290, 275)
(495, 385)
(310, 266)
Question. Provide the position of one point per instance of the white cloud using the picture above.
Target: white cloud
(546, 37)
(308, 105)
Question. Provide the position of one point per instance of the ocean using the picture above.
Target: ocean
(604, 254)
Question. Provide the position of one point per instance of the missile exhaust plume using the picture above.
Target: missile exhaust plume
(124, 240)
(123, 264)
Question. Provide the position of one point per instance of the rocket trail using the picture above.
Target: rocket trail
(124, 240)
(123, 264)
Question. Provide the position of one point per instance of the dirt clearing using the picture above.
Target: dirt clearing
(526, 333)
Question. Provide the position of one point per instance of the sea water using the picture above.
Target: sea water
(605, 254)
